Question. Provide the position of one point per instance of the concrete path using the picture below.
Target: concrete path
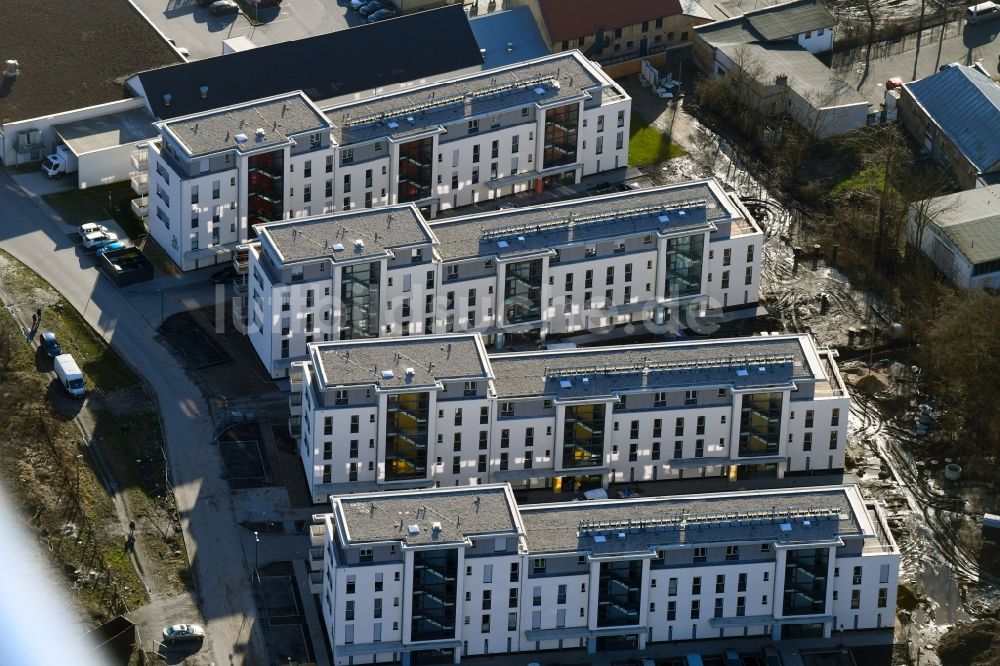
(36, 236)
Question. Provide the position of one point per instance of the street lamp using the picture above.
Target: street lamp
(256, 543)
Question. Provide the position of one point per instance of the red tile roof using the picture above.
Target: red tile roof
(569, 19)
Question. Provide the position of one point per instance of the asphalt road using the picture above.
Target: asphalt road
(195, 29)
(212, 536)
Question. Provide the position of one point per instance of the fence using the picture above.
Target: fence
(848, 58)
(620, 70)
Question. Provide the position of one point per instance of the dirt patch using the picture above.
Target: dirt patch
(105, 40)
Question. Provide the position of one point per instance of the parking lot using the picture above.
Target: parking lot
(192, 27)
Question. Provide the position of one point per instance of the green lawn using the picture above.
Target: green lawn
(866, 180)
(648, 145)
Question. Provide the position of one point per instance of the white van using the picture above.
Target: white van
(984, 11)
(69, 375)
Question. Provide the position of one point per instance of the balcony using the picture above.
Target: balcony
(316, 558)
(316, 582)
(317, 534)
(294, 427)
(140, 183)
(140, 206)
(140, 160)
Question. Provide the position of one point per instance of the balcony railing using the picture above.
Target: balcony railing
(294, 427)
(140, 183)
(140, 160)
(140, 206)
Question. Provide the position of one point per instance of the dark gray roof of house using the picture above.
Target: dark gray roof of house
(965, 104)
(462, 512)
(644, 524)
(603, 371)
(791, 18)
(278, 117)
(769, 24)
(562, 76)
(432, 357)
(515, 26)
(971, 219)
(335, 236)
(325, 66)
(516, 231)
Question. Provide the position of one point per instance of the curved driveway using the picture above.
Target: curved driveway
(40, 239)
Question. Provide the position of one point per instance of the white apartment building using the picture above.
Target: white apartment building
(436, 410)
(216, 174)
(660, 258)
(434, 576)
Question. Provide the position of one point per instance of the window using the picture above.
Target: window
(720, 584)
(561, 594)
(732, 552)
(473, 126)
(346, 155)
(679, 427)
(487, 599)
(671, 610)
(741, 583)
(514, 143)
(883, 597)
(495, 149)
(700, 424)
(807, 441)
(748, 279)
(835, 417)
(741, 606)
(329, 163)
(718, 607)
(538, 566)
(307, 169)
(378, 608)
(856, 578)
(659, 400)
(699, 556)
(696, 585)
(749, 254)
(351, 583)
(695, 609)
(855, 599)
(349, 610)
(475, 175)
(809, 418)
(725, 279)
(655, 451)
(355, 423)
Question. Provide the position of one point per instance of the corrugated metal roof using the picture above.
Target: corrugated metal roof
(971, 219)
(769, 24)
(791, 18)
(965, 104)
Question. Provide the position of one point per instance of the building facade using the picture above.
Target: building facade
(438, 411)
(435, 576)
(615, 32)
(659, 257)
(477, 137)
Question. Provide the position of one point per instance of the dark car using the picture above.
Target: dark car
(50, 344)
(223, 7)
(381, 15)
(371, 8)
(225, 275)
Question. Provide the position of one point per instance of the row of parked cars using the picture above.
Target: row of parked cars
(223, 7)
(373, 10)
(100, 238)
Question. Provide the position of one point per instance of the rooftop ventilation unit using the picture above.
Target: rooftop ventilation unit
(241, 138)
(338, 247)
(393, 124)
(565, 383)
(539, 90)
(260, 132)
(410, 372)
(409, 119)
(786, 527)
(664, 218)
(204, 91)
(742, 372)
(359, 245)
(502, 244)
(11, 69)
(413, 529)
(387, 374)
(600, 538)
(436, 526)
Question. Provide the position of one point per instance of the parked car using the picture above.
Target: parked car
(176, 633)
(371, 8)
(113, 245)
(381, 15)
(223, 7)
(771, 656)
(69, 375)
(91, 227)
(99, 238)
(225, 275)
(50, 345)
(358, 4)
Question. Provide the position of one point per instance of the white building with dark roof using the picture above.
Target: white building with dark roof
(444, 574)
(438, 410)
(960, 233)
(657, 257)
(479, 136)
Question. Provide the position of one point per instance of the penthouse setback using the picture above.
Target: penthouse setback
(435, 576)
(660, 257)
(438, 411)
(451, 143)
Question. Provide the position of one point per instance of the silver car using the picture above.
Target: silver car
(177, 633)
